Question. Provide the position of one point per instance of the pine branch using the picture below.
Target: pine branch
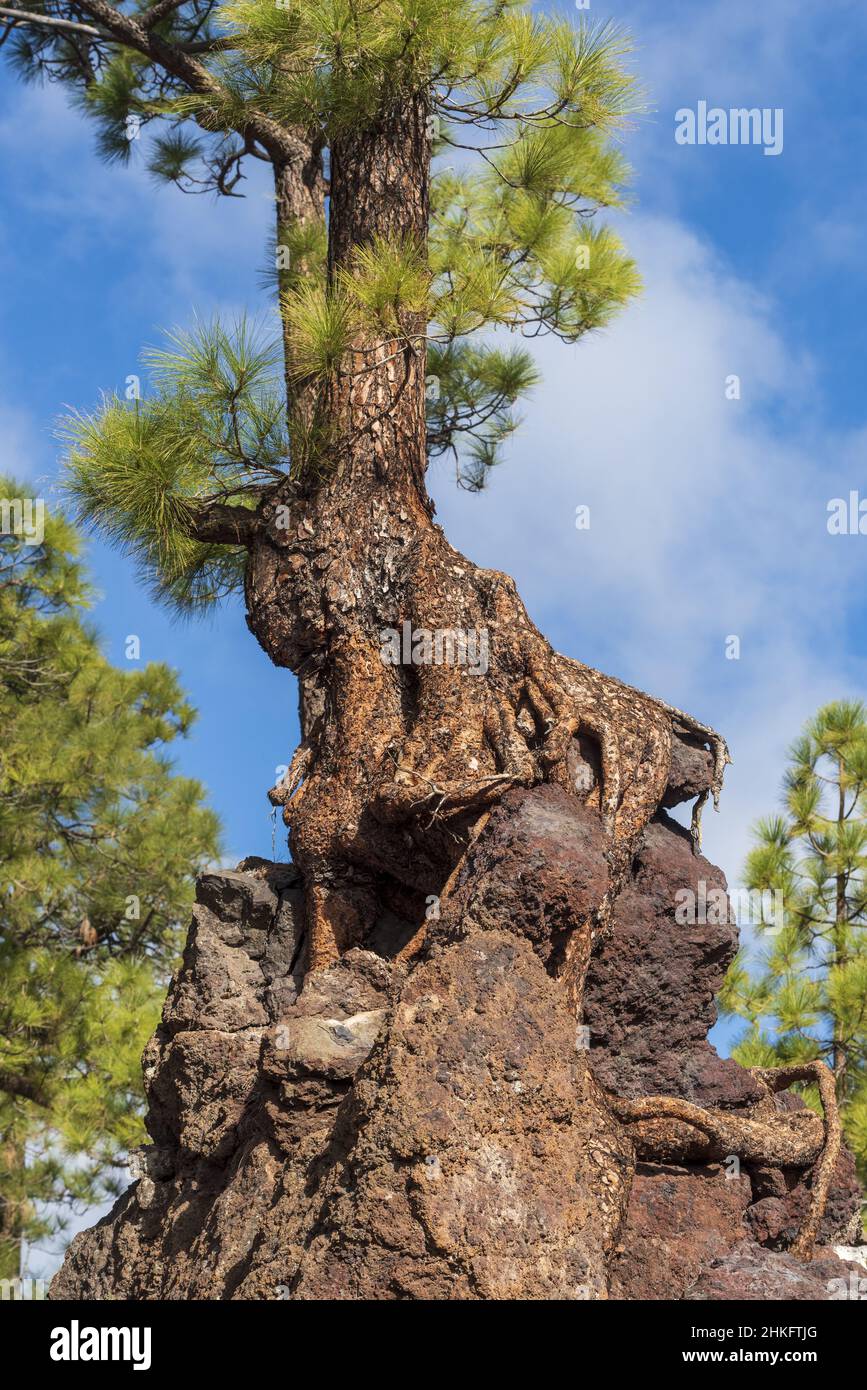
(22, 17)
(158, 11)
(178, 60)
(222, 524)
(25, 1090)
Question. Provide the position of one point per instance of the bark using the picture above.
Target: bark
(399, 760)
(299, 197)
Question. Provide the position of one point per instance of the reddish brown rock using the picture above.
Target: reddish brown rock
(649, 1001)
(430, 1130)
(757, 1275)
(696, 1232)
(538, 870)
(479, 1160)
(680, 1219)
(242, 1113)
(782, 1199)
(691, 770)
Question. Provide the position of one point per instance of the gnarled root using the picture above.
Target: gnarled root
(286, 788)
(401, 757)
(777, 1079)
(473, 739)
(671, 1130)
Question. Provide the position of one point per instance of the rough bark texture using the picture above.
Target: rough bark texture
(430, 1123)
(400, 759)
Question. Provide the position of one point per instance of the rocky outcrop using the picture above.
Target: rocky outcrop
(435, 1127)
(475, 1158)
(756, 1275)
(649, 1003)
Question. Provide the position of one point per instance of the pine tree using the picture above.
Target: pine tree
(297, 469)
(807, 1000)
(99, 843)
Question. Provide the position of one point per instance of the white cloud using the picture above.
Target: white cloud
(740, 53)
(183, 253)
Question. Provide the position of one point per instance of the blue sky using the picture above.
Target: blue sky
(708, 516)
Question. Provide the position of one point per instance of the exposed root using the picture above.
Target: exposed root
(405, 751)
(469, 741)
(413, 793)
(283, 792)
(721, 756)
(777, 1079)
(664, 1128)
(695, 825)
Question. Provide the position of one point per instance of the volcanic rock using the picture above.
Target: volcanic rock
(436, 1127)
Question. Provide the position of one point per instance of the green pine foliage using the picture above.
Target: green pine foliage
(212, 429)
(99, 845)
(526, 111)
(330, 62)
(117, 106)
(471, 391)
(804, 997)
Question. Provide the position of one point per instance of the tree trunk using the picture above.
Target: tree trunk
(425, 689)
(839, 1058)
(299, 198)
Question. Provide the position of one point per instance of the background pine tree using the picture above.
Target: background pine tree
(99, 844)
(805, 996)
